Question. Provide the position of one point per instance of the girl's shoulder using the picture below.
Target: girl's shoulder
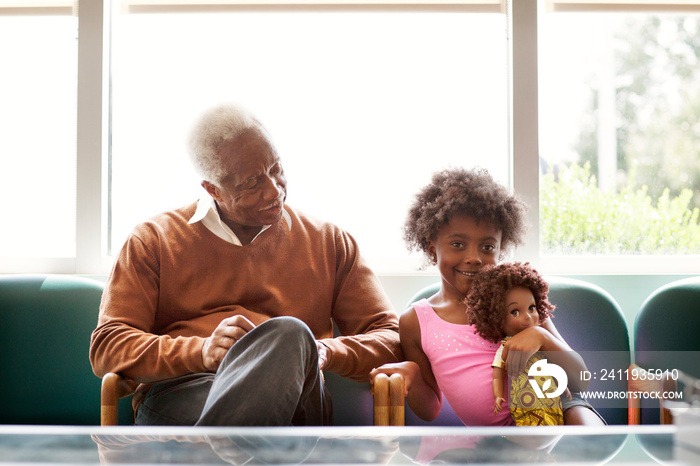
(412, 316)
(427, 313)
(450, 313)
(422, 307)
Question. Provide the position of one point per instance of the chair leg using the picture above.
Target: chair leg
(109, 413)
(114, 388)
(636, 383)
(669, 384)
(396, 400)
(382, 408)
(389, 402)
(633, 411)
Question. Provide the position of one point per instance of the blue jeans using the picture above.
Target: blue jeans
(270, 377)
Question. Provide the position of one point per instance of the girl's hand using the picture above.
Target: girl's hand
(522, 346)
(409, 370)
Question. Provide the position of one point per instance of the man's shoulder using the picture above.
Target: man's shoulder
(167, 220)
(311, 222)
(322, 233)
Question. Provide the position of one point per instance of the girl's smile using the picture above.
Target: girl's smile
(461, 248)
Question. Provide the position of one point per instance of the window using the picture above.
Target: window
(363, 104)
(619, 135)
(378, 95)
(38, 92)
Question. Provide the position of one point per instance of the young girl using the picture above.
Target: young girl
(464, 220)
(503, 301)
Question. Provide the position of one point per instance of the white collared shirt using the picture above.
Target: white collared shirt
(208, 214)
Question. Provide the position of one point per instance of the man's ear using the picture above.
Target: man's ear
(212, 190)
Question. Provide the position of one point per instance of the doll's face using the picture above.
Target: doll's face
(521, 311)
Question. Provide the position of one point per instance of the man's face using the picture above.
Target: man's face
(253, 189)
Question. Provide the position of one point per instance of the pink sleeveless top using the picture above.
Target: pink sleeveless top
(461, 362)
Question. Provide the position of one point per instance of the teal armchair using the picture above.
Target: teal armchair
(45, 327)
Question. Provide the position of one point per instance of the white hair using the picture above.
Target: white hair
(219, 124)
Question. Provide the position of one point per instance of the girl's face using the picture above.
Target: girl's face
(521, 311)
(462, 247)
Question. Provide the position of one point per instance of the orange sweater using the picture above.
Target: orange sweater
(172, 284)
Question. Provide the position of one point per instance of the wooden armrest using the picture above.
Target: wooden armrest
(389, 403)
(649, 384)
(114, 388)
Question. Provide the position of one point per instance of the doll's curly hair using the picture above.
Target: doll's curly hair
(470, 193)
(486, 306)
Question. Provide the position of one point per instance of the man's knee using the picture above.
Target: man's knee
(290, 327)
(278, 341)
(287, 335)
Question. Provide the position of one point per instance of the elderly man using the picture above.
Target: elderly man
(223, 310)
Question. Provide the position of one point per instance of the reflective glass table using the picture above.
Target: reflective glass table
(343, 445)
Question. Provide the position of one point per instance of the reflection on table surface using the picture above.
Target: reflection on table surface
(336, 445)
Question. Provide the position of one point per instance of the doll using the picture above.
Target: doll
(503, 301)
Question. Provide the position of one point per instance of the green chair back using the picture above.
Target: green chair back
(666, 334)
(592, 323)
(46, 322)
(669, 321)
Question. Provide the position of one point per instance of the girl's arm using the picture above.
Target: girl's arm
(422, 393)
(549, 325)
(569, 360)
(546, 338)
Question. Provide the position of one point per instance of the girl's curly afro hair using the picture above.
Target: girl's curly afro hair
(486, 306)
(470, 193)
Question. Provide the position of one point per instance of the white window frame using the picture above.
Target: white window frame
(93, 131)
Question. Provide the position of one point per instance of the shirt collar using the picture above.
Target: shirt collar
(208, 214)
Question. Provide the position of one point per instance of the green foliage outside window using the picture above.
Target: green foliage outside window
(576, 217)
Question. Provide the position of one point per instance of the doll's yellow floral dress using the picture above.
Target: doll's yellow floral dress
(526, 407)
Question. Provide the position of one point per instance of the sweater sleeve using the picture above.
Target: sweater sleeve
(122, 341)
(364, 316)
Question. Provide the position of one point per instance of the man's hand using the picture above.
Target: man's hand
(322, 355)
(228, 332)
